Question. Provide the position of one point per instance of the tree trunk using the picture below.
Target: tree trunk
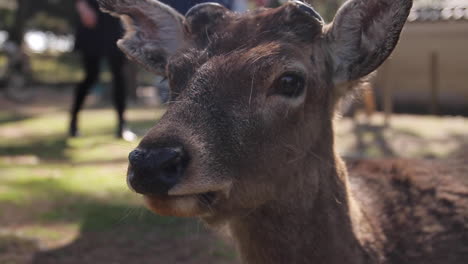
(16, 31)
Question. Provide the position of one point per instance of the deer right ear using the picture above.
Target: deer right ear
(203, 19)
(363, 34)
(153, 31)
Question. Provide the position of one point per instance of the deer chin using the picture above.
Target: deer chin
(196, 196)
(191, 205)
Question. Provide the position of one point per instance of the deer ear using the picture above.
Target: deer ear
(363, 34)
(153, 31)
(203, 19)
(300, 18)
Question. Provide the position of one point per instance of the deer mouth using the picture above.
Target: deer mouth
(207, 198)
(190, 205)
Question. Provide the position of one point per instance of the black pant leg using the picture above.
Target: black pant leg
(117, 63)
(91, 68)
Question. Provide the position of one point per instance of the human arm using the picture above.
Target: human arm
(87, 14)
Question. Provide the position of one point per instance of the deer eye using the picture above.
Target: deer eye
(290, 85)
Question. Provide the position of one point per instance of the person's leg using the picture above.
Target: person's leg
(117, 61)
(91, 68)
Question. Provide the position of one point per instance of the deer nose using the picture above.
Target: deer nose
(155, 171)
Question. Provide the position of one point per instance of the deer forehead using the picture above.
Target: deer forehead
(251, 67)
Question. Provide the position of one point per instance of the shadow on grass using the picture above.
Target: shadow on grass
(53, 147)
(112, 230)
(108, 236)
(45, 148)
(140, 127)
(135, 244)
(117, 233)
(462, 151)
(50, 201)
(14, 249)
(6, 118)
(96, 212)
(100, 162)
(378, 146)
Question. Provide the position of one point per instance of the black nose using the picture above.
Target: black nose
(155, 171)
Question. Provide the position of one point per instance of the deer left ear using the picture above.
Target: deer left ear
(154, 31)
(363, 34)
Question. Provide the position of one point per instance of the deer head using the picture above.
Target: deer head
(252, 97)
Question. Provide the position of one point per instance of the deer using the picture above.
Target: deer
(247, 145)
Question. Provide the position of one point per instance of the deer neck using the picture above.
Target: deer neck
(302, 227)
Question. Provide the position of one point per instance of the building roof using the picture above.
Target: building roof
(443, 10)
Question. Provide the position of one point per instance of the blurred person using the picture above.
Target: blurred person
(240, 5)
(261, 2)
(270, 3)
(184, 6)
(96, 37)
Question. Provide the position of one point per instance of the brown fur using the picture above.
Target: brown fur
(418, 208)
(267, 160)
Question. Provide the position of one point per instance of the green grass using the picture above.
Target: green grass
(37, 160)
(66, 68)
(53, 69)
(59, 188)
(63, 68)
(2, 61)
(40, 165)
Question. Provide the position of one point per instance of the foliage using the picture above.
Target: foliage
(49, 15)
(6, 18)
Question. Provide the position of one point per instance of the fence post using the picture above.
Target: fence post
(434, 83)
(387, 93)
